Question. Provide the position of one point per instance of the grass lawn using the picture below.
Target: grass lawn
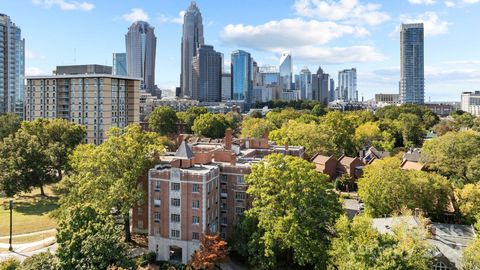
(29, 238)
(30, 212)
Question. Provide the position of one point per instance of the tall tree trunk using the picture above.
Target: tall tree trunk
(42, 192)
(128, 235)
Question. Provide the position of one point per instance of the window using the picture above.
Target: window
(195, 236)
(156, 202)
(440, 266)
(223, 220)
(195, 188)
(175, 186)
(240, 180)
(156, 217)
(175, 218)
(140, 224)
(195, 220)
(195, 204)
(239, 210)
(224, 178)
(156, 231)
(175, 202)
(240, 196)
(175, 233)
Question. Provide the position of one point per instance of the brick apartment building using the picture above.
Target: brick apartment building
(200, 188)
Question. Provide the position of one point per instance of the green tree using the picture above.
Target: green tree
(340, 129)
(385, 189)
(471, 255)
(188, 117)
(40, 261)
(9, 124)
(107, 175)
(294, 208)
(163, 120)
(451, 154)
(428, 118)
(473, 169)
(211, 125)
(412, 129)
(256, 127)
(319, 110)
(88, 239)
(278, 118)
(369, 134)
(310, 136)
(37, 154)
(468, 200)
(357, 245)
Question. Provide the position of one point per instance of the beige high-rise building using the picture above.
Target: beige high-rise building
(98, 101)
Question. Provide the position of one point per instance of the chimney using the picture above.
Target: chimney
(228, 139)
(266, 133)
(286, 146)
(233, 159)
(180, 139)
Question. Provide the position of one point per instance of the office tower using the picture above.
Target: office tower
(226, 86)
(98, 101)
(286, 70)
(320, 86)
(331, 93)
(207, 75)
(12, 67)
(305, 83)
(192, 39)
(120, 64)
(347, 85)
(242, 75)
(470, 102)
(141, 49)
(412, 81)
(257, 79)
(269, 76)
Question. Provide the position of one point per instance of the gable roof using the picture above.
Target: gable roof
(410, 165)
(320, 159)
(184, 151)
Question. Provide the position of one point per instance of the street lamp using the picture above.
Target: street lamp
(10, 206)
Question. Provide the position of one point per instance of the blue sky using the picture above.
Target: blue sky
(335, 34)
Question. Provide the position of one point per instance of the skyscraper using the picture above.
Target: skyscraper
(12, 67)
(120, 64)
(412, 81)
(305, 84)
(331, 93)
(226, 86)
(141, 48)
(286, 70)
(347, 85)
(207, 75)
(242, 75)
(192, 39)
(320, 88)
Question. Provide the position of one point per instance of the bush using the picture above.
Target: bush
(147, 258)
(9, 264)
(41, 261)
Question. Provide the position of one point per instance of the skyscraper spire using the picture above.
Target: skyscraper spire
(192, 39)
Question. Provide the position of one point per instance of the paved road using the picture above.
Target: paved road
(28, 234)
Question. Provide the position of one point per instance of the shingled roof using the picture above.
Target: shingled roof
(184, 151)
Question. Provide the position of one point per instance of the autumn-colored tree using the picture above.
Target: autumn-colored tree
(212, 250)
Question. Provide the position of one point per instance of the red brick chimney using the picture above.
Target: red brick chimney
(228, 139)
(233, 159)
(179, 140)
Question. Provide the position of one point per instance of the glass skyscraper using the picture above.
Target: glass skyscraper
(192, 39)
(141, 48)
(242, 75)
(120, 64)
(286, 70)
(412, 81)
(207, 75)
(347, 85)
(305, 83)
(12, 67)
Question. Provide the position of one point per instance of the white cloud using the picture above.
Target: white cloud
(454, 3)
(422, 2)
(65, 5)
(136, 14)
(432, 23)
(348, 11)
(31, 55)
(337, 55)
(179, 19)
(286, 33)
(33, 71)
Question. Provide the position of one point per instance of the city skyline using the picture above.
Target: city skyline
(361, 35)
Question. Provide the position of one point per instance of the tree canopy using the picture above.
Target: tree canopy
(295, 211)
(450, 155)
(211, 125)
(357, 245)
(163, 120)
(107, 175)
(468, 200)
(256, 127)
(387, 189)
(9, 124)
(188, 117)
(213, 250)
(37, 154)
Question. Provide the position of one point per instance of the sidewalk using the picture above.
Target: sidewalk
(27, 234)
